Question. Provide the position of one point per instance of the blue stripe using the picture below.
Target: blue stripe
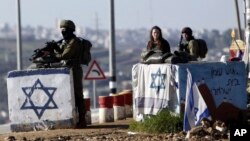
(191, 97)
(38, 71)
(191, 105)
(186, 123)
(149, 102)
(205, 114)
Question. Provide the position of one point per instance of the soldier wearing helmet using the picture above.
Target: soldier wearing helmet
(188, 43)
(71, 48)
(67, 28)
(67, 24)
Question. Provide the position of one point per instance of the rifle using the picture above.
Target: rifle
(181, 46)
(46, 56)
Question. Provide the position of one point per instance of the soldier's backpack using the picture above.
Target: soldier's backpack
(85, 51)
(202, 48)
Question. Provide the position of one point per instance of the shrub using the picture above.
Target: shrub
(164, 122)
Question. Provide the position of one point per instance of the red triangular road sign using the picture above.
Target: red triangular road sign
(94, 72)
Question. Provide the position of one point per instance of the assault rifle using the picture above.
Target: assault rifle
(181, 46)
(46, 56)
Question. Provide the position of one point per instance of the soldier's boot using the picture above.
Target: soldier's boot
(82, 122)
(81, 110)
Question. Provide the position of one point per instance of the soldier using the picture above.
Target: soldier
(71, 55)
(188, 43)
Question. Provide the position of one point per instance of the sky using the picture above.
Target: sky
(129, 14)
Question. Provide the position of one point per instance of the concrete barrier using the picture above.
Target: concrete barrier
(128, 101)
(106, 111)
(41, 99)
(88, 111)
(119, 107)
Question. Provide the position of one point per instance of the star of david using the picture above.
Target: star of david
(195, 113)
(157, 85)
(39, 89)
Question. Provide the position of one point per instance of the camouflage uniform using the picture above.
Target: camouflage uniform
(193, 48)
(71, 54)
(190, 45)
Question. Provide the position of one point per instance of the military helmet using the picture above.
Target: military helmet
(67, 24)
(187, 30)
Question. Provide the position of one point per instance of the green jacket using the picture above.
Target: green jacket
(193, 48)
(71, 51)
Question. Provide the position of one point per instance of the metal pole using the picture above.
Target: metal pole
(112, 60)
(238, 18)
(245, 9)
(94, 94)
(19, 38)
(247, 37)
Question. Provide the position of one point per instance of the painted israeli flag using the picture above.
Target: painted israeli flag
(195, 106)
(40, 94)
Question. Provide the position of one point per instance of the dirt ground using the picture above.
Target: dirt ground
(112, 131)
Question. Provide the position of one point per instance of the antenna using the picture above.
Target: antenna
(238, 18)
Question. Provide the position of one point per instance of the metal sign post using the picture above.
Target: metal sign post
(94, 93)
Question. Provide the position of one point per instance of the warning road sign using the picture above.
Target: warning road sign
(94, 72)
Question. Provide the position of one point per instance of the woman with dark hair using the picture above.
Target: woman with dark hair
(157, 42)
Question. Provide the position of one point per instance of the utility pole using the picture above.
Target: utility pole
(112, 57)
(19, 37)
(238, 18)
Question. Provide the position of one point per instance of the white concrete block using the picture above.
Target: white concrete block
(43, 97)
(129, 110)
(106, 115)
(119, 113)
(88, 117)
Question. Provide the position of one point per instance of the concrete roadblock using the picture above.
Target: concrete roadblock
(106, 111)
(128, 102)
(119, 107)
(88, 111)
(41, 99)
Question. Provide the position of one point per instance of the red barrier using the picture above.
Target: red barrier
(105, 102)
(118, 100)
(87, 104)
(128, 102)
(106, 111)
(128, 98)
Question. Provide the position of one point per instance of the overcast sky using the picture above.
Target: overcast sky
(129, 14)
